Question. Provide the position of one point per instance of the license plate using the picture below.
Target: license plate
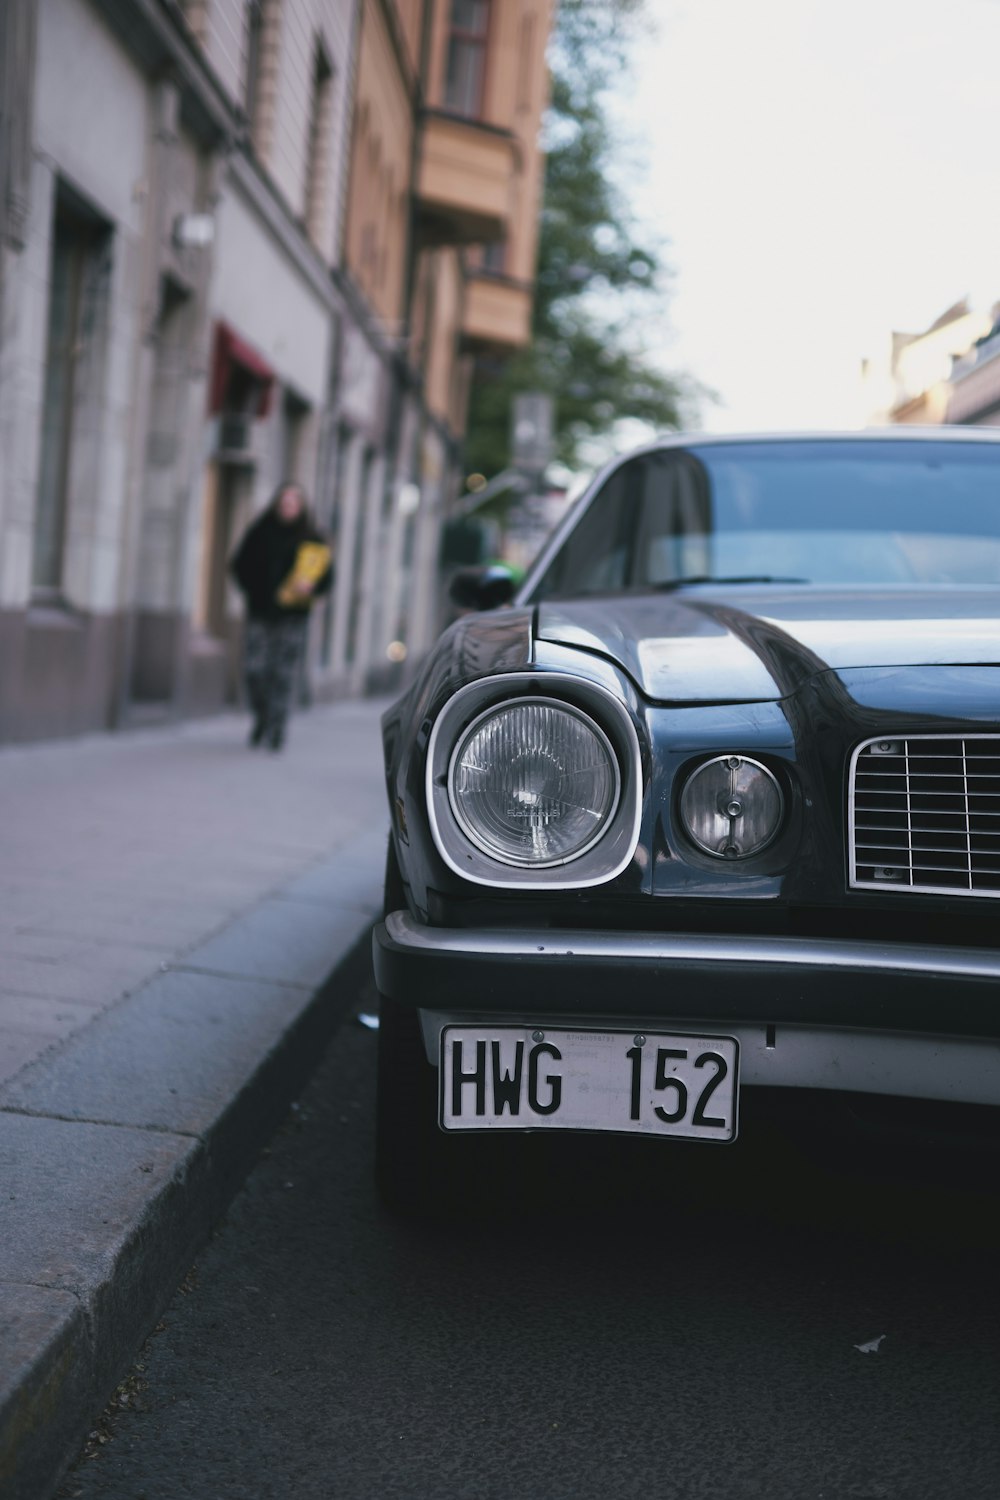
(639, 1083)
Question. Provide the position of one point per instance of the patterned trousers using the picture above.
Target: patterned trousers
(273, 652)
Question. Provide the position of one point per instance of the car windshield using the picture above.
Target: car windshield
(859, 513)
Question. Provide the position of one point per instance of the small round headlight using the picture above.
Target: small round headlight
(731, 807)
(534, 783)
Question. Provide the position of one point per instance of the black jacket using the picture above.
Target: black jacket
(264, 559)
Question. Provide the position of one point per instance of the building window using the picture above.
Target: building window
(387, 195)
(318, 145)
(353, 639)
(370, 244)
(195, 13)
(466, 71)
(291, 437)
(227, 498)
(78, 296)
(262, 49)
(333, 525)
(495, 257)
(525, 68)
(251, 81)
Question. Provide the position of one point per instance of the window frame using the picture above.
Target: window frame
(79, 351)
(475, 43)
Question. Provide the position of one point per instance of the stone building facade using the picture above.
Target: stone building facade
(974, 383)
(909, 383)
(948, 374)
(240, 241)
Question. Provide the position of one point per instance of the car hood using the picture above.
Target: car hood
(755, 644)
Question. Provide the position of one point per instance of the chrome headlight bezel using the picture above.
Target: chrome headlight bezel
(466, 823)
(732, 761)
(605, 856)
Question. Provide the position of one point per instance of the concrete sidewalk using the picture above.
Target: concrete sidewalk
(174, 910)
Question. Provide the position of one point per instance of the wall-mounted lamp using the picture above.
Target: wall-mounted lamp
(408, 499)
(193, 231)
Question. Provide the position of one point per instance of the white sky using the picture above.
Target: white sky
(825, 171)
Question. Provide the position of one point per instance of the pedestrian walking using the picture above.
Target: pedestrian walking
(282, 565)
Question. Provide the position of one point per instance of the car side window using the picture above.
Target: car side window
(594, 558)
(675, 520)
(647, 525)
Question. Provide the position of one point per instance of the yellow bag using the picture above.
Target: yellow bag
(311, 562)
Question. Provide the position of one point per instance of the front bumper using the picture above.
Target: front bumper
(904, 1020)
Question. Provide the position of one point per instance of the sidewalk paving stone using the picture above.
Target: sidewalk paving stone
(176, 915)
(67, 967)
(278, 940)
(32, 1023)
(170, 1058)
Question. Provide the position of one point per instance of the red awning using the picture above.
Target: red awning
(231, 352)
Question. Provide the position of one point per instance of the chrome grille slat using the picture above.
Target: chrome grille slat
(925, 815)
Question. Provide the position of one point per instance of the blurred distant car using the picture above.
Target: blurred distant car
(710, 816)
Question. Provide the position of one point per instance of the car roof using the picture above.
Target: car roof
(894, 434)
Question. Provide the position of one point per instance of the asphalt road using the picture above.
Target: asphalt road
(636, 1333)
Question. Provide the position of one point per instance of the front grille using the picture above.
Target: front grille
(925, 814)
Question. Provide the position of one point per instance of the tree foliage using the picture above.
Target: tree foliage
(596, 282)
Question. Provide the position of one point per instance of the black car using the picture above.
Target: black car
(709, 814)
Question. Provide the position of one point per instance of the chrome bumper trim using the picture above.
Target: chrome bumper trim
(799, 953)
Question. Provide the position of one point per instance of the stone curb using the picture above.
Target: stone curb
(121, 1150)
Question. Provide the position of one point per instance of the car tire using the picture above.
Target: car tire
(411, 1161)
(417, 1167)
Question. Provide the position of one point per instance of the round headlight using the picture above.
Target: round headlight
(731, 807)
(534, 782)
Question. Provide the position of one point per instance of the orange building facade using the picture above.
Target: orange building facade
(439, 252)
